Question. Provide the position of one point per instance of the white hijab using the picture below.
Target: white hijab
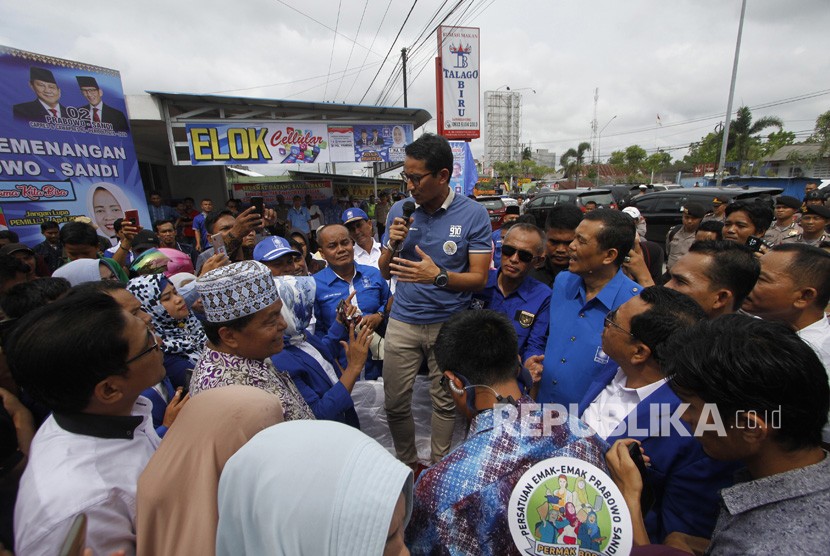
(80, 271)
(310, 487)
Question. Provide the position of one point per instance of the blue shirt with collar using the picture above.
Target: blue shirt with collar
(163, 212)
(298, 218)
(372, 294)
(458, 228)
(573, 355)
(528, 308)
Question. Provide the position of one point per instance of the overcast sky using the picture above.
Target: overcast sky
(645, 56)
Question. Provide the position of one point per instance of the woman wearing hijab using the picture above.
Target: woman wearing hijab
(81, 271)
(105, 204)
(313, 487)
(183, 338)
(311, 361)
(176, 501)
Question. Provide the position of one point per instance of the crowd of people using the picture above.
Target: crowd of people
(190, 389)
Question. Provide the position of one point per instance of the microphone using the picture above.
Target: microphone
(408, 209)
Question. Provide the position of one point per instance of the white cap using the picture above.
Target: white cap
(632, 212)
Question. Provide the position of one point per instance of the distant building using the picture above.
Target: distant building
(544, 157)
(795, 161)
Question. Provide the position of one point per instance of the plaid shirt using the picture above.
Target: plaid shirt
(461, 503)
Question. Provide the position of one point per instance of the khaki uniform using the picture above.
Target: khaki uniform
(813, 242)
(678, 246)
(787, 234)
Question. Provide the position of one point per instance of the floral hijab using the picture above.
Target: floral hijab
(179, 337)
(297, 295)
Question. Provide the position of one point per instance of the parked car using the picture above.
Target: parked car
(540, 205)
(495, 208)
(663, 209)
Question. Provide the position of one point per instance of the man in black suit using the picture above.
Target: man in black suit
(48, 98)
(96, 111)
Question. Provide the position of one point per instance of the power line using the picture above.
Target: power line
(368, 49)
(373, 44)
(349, 60)
(286, 82)
(770, 104)
(414, 52)
(333, 42)
(481, 9)
(389, 52)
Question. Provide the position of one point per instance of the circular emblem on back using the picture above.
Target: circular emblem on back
(568, 507)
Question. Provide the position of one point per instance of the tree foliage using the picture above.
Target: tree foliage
(572, 159)
(821, 133)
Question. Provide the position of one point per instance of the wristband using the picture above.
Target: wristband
(122, 247)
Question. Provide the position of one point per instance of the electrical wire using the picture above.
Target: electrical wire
(368, 49)
(351, 51)
(382, 19)
(389, 52)
(333, 42)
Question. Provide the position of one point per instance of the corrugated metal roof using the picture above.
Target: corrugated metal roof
(302, 109)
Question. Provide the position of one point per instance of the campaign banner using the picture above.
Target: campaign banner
(320, 190)
(458, 82)
(371, 142)
(269, 142)
(464, 172)
(65, 145)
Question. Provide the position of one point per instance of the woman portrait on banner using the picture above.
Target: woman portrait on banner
(106, 203)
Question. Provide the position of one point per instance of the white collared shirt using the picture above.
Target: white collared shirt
(100, 107)
(817, 336)
(615, 402)
(368, 258)
(69, 474)
(56, 108)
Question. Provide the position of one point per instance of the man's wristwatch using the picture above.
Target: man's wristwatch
(442, 279)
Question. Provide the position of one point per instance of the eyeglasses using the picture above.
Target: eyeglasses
(152, 338)
(414, 178)
(609, 320)
(524, 256)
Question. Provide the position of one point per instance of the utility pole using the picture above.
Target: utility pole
(403, 62)
(731, 95)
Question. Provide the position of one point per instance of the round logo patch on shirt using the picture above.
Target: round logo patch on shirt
(568, 506)
(450, 247)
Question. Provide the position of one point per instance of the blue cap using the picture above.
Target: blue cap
(272, 248)
(352, 214)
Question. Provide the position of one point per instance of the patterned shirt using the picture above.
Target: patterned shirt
(216, 369)
(461, 503)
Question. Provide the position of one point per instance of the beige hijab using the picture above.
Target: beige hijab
(176, 502)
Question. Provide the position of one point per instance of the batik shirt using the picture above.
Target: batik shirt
(216, 369)
(461, 503)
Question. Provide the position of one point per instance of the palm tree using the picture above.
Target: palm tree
(743, 130)
(572, 159)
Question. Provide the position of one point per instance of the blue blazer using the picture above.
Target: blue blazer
(332, 403)
(685, 480)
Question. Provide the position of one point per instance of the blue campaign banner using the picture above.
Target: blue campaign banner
(65, 145)
(464, 172)
(381, 143)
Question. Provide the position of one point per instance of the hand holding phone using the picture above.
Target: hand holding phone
(217, 241)
(132, 216)
(647, 497)
(259, 205)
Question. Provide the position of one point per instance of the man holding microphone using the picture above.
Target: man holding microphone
(439, 255)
